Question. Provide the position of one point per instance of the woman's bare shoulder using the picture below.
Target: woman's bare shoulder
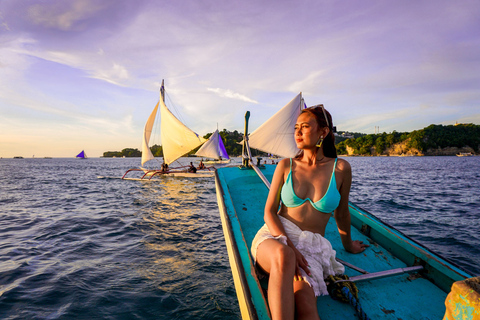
(284, 163)
(281, 170)
(343, 165)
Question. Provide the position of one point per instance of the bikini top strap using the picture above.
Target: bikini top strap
(334, 167)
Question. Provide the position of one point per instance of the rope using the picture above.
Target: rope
(345, 291)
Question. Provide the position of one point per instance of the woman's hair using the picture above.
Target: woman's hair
(328, 144)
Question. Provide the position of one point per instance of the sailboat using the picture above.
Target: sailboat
(214, 149)
(82, 155)
(397, 279)
(177, 140)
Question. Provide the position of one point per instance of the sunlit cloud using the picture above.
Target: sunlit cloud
(62, 15)
(3, 24)
(115, 75)
(225, 93)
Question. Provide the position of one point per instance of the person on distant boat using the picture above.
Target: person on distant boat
(192, 168)
(164, 168)
(201, 165)
(290, 248)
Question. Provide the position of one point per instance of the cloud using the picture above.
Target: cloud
(3, 24)
(62, 15)
(371, 64)
(225, 93)
(117, 74)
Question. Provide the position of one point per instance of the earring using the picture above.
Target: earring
(321, 142)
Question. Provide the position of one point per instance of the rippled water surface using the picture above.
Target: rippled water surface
(73, 246)
(434, 200)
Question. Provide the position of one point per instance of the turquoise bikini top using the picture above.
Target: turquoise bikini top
(328, 203)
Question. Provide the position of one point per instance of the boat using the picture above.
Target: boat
(397, 278)
(177, 141)
(217, 162)
(214, 149)
(82, 155)
(464, 154)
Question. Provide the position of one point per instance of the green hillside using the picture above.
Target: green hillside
(432, 140)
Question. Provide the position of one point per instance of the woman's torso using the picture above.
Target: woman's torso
(310, 184)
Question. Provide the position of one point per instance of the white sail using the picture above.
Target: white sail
(276, 135)
(177, 139)
(147, 132)
(213, 148)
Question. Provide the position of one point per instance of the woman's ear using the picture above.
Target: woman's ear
(325, 131)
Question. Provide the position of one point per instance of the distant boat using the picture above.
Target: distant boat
(177, 141)
(214, 149)
(464, 154)
(18, 157)
(82, 155)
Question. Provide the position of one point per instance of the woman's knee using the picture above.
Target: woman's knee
(283, 257)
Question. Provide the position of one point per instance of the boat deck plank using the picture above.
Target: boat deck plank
(405, 296)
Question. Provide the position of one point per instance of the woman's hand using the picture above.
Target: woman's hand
(301, 262)
(358, 247)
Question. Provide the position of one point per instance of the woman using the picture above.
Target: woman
(291, 247)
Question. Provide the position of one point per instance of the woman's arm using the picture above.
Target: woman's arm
(273, 200)
(271, 214)
(342, 213)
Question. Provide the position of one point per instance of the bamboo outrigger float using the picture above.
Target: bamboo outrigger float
(151, 174)
(397, 278)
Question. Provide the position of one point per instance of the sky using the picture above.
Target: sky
(85, 74)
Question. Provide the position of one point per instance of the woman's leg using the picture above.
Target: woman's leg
(305, 301)
(278, 260)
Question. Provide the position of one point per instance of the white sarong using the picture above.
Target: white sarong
(315, 248)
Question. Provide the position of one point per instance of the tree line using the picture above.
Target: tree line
(230, 140)
(431, 137)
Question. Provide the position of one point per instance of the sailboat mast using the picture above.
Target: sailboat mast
(246, 150)
(247, 154)
(162, 91)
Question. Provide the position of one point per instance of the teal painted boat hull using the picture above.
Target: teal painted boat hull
(241, 197)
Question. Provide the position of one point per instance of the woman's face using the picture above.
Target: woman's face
(307, 132)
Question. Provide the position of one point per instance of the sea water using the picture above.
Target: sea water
(73, 246)
(433, 200)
